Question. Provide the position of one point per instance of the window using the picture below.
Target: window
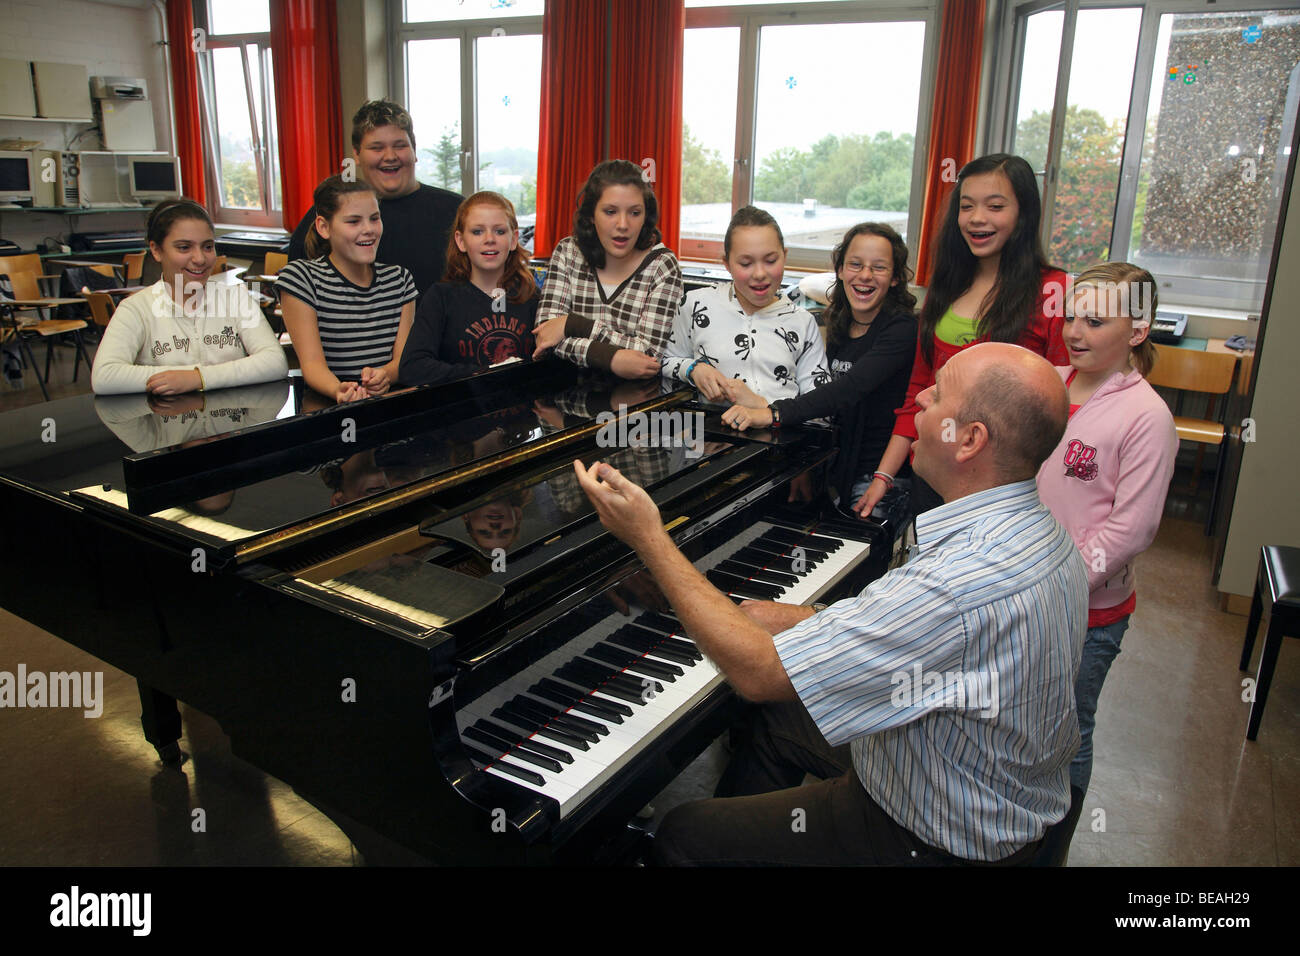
(237, 89)
(813, 139)
(1170, 150)
(473, 88)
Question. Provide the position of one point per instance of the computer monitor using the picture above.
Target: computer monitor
(17, 176)
(154, 178)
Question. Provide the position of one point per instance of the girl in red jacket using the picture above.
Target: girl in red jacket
(990, 283)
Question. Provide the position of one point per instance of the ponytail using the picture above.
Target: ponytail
(328, 199)
(1133, 291)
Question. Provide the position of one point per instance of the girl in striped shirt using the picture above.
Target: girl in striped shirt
(348, 315)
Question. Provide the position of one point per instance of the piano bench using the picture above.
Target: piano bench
(1278, 580)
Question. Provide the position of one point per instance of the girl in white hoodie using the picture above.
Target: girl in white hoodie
(183, 333)
(747, 329)
(1106, 481)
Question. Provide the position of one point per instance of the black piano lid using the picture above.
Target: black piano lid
(254, 484)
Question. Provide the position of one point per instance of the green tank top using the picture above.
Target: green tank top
(955, 330)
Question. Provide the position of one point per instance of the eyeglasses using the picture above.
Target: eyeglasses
(877, 269)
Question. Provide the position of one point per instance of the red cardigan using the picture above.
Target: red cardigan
(1042, 335)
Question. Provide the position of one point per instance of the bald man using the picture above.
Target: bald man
(938, 705)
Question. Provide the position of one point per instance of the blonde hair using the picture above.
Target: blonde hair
(1138, 301)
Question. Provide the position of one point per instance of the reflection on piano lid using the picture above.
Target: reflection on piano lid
(403, 591)
(190, 418)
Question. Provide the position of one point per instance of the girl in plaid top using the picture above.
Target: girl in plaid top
(612, 288)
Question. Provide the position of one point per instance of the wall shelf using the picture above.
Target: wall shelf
(46, 119)
(78, 210)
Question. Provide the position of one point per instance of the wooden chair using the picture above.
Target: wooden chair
(275, 261)
(134, 262)
(27, 297)
(1187, 370)
(101, 307)
(31, 264)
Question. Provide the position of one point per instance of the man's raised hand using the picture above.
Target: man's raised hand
(622, 505)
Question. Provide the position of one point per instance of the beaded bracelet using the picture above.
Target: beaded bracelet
(690, 369)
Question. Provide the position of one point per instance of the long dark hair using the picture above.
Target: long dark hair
(329, 199)
(838, 315)
(1006, 310)
(612, 172)
(518, 279)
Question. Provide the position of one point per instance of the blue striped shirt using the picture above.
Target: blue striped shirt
(953, 676)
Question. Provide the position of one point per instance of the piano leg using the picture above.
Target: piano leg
(161, 720)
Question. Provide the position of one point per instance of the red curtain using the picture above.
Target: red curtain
(185, 106)
(952, 123)
(645, 113)
(304, 51)
(571, 138)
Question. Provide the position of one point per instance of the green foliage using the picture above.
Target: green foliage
(856, 171)
(445, 160)
(1091, 150)
(706, 177)
(239, 184)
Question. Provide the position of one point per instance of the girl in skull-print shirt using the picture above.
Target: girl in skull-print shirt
(747, 329)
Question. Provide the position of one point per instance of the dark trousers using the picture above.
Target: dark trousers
(830, 823)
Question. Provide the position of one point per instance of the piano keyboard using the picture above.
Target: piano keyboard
(569, 723)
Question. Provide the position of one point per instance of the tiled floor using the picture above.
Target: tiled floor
(1174, 783)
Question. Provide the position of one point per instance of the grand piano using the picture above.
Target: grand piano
(405, 608)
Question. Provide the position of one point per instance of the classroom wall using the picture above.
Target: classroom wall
(1266, 509)
(110, 40)
(363, 58)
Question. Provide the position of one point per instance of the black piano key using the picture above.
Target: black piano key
(659, 622)
(648, 642)
(519, 753)
(536, 746)
(622, 658)
(731, 584)
(682, 645)
(633, 684)
(774, 559)
(764, 574)
(542, 722)
(541, 730)
(577, 700)
(786, 551)
(581, 727)
(800, 539)
(508, 768)
(595, 678)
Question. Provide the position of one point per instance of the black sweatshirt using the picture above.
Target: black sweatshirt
(870, 381)
(457, 330)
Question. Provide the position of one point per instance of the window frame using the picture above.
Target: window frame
(751, 20)
(266, 136)
(466, 31)
(1176, 291)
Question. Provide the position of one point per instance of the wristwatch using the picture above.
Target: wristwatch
(818, 608)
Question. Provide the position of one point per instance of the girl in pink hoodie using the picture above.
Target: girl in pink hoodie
(1107, 479)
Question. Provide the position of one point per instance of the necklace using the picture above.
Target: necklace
(863, 324)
